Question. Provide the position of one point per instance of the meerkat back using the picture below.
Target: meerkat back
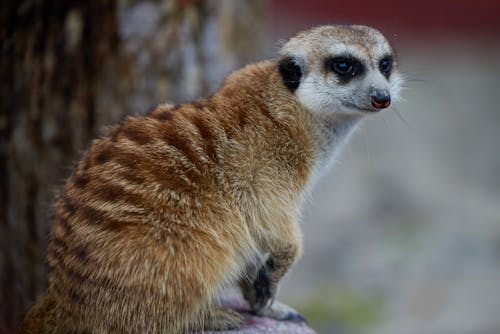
(168, 209)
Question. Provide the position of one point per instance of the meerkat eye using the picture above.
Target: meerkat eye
(341, 66)
(346, 68)
(385, 65)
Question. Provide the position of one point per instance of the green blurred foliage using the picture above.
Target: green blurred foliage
(340, 306)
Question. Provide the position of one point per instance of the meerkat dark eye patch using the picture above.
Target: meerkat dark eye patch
(385, 66)
(290, 73)
(346, 68)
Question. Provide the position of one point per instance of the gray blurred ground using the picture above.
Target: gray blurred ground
(403, 236)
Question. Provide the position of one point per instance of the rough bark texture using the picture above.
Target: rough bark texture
(67, 69)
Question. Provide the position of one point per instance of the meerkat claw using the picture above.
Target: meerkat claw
(296, 317)
(282, 312)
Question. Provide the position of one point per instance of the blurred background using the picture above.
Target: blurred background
(402, 237)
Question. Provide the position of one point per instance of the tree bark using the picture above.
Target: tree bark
(70, 67)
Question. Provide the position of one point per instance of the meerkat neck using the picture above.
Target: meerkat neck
(324, 132)
(327, 131)
(330, 132)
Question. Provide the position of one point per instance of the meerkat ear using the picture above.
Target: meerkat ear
(291, 72)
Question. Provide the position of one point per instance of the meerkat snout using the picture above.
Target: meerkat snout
(381, 98)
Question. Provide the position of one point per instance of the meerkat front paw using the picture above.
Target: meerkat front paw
(280, 311)
(221, 319)
(261, 292)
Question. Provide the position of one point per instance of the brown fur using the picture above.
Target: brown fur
(166, 210)
(170, 208)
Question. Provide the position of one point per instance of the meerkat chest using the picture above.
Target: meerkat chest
(330, 133)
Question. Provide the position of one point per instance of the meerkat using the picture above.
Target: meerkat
(170, 208)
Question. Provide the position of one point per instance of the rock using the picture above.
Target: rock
(262, 325)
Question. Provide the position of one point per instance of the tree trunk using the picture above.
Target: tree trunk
(70, 67)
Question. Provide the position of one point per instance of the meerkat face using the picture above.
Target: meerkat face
(344, 69)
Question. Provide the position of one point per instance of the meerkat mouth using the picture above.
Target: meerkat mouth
(367, 109)
(381, 105)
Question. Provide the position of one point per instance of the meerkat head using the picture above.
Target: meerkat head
(344, 69)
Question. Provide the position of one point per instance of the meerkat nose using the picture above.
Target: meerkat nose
(380, 98)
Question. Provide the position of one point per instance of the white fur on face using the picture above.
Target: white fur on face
(396, 84)
(320, 89)
(316, 94)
